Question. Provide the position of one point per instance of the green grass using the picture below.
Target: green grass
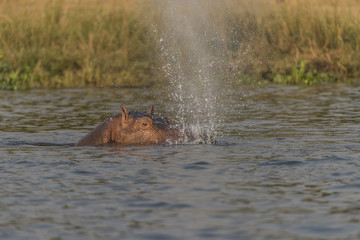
(63, 43)
(279, 39)
(326, 38)
(57, 46)
(300, 74)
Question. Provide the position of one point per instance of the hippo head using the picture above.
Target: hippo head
(141, 128)
(134, 128)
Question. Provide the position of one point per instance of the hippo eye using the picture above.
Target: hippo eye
(144, 124)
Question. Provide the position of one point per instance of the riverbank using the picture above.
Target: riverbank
(51, 44)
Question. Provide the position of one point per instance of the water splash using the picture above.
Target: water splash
(193, 52)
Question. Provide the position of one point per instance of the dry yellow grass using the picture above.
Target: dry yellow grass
(325, 33)
(107, 42)
(72, 43)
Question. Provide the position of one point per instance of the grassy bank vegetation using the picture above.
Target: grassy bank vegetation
(66, 43)
(73, 43)
(324, 34)
(300, 41)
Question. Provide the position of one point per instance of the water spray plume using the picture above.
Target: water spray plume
(192, 52)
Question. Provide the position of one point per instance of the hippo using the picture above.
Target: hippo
(134, 128)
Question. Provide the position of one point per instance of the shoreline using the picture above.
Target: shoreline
(65, 44)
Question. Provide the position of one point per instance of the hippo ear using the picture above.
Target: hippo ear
(124, 115)
(151, 110)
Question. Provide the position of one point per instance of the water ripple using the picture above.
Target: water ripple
(286, 168)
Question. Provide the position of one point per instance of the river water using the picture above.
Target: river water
(286, 166)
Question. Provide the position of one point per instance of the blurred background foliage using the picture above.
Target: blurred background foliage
(77, 43)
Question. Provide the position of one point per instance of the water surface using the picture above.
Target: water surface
(286, 167)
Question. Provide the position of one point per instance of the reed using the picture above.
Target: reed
(73, 43)
(67, 43)
(325, 34)
(279, 37)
